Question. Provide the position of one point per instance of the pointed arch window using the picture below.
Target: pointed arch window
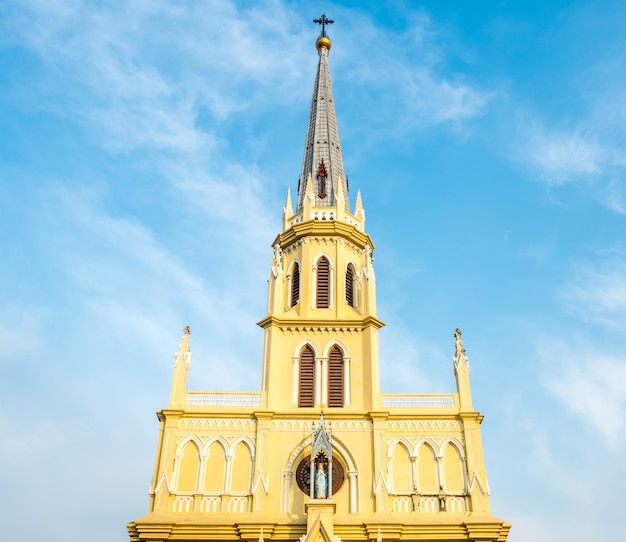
(335, 378)
(306, 378)
(295, 285)
(351, 286)
(323, 283)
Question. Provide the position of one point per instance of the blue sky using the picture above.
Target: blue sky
(146, 148)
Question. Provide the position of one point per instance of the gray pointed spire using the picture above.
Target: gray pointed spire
(322, 150)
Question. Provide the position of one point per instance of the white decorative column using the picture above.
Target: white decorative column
(314, 286)
(177, 460)
(324, 371)
(318, 381)
(296, 379)
(229, 473)
(200, 481)
(346, 381)
(331, 300)
(353, 491)
(287, 475)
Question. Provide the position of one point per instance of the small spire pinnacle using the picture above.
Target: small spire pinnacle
(287, 210)
(459, 349)
(183, 347)
(358, 207)
(288, 204)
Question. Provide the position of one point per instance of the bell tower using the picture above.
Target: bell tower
(319, 453)
(322, 288)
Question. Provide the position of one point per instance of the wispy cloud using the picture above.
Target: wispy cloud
(565, 156)
(597, 294)
(591, 385)
(407, 73)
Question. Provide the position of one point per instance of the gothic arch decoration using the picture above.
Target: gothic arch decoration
(453, 475)
(241, 468)
(430, 442)
(212, 440)
(338, 449)
(215, 467)
(400, 469)
(323, 275)
(187, 466)
(307, 342)
(428, 472)
(454, 442)
(335, 343)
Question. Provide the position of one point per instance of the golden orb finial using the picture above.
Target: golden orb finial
(323, 41)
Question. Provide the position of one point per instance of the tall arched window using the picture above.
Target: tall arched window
(335, 378)
(351, 286)
(306, 377)
(323, 284)
(295, 285)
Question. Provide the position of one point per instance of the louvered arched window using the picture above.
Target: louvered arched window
(335, 378)
(351, 286)
(295, 285)
(323, 284)
(306, 378)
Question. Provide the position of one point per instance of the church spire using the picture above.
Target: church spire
(323, 163)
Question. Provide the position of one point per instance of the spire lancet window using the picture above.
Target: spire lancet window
(322, 180)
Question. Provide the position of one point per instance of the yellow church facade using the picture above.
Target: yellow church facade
(319, 453)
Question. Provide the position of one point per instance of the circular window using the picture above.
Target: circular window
(303, 475)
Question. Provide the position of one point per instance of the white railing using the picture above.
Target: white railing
(223, 399)
(238, 504)
(456, 504)
(211, 505)
(183, 504)
(418, 400)
(402, 505)
(429, 505)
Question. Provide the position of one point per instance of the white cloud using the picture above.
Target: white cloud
(597, 294)
(565, 156)
(590, 383)
(407, 70)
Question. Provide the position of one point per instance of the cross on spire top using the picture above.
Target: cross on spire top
(323, 20)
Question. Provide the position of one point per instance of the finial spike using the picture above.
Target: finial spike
(183, 347)
(323, 20)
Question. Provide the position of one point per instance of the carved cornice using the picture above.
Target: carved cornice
(221, 424)
(315, 326)
(323, 228)
(337, 425)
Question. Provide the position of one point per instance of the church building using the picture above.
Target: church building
(319, 454)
